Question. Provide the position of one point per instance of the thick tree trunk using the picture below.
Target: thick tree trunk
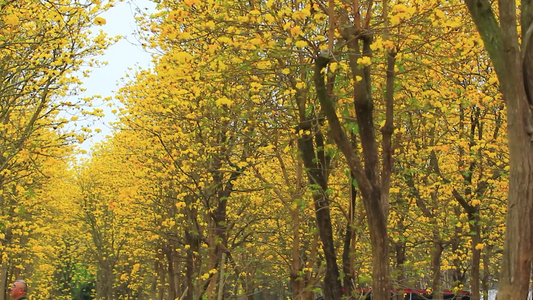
(380, 249)
(104, 285)
(219, 242)
(501, 42)
(436, 254)
(518, 245)
(516, 266)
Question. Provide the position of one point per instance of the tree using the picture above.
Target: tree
(206, 136)
(512, 58)
(42, 44)
(106, 205)
(57, 244)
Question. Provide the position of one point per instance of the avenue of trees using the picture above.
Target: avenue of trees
(276, 149)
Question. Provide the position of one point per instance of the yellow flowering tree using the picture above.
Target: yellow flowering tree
(357, 49)
(57, 246)
(113, 222)
(42, 45)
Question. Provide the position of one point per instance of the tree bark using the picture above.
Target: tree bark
(436, 254)
(297, 282)
(347, 264)
(170, 272)
(371, 174)
(104, 285)
(192, 240)
(3, 280)
(486, 272)
(316, 162)
(475, 229)
(367, 177)
(400, 261)
(501, 42)
(218, 222)
(297, 279)
(317, 174)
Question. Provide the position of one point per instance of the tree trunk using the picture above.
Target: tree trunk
(158, 284)
(501, 42)
(3, 280)
(104, 285)
(367, 177)
(380, 248)
(476, 257)
(373, 182)
(170, 272)
(312, 259)
(218, 232)
(436, 254)
(486, 272)
(316, 163)
(317, 174)
(458, 275)
(333, 288)
(220, 295)
(347, 264)
(400, 260)
(191, 240)
(297, 280)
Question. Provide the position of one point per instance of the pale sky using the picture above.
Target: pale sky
(126, 53)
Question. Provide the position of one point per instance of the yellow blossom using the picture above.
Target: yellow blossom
(300, 44)
(269, 18)
(223, 101)
(265, 64)
(333, 67)
(389, 45)
(364, 61)
(296, 30)
(11, 20)
(99, 21)
(210, 25)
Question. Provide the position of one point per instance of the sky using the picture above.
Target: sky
(125, 54)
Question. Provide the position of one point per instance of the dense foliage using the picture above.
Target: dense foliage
(281, 148)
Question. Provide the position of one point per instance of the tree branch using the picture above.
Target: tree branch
(490, 31)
